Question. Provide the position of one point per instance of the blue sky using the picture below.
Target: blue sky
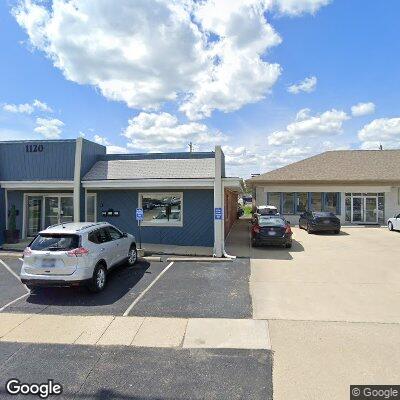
(134, 94)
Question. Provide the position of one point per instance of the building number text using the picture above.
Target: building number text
(34, 148)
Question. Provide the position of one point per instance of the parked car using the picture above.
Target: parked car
(240, 211)
(266, 210)
(318, 221)
(271, 230)
(394, 223)
(76, 254)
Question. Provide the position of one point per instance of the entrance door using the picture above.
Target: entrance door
(371, 209)
(357, 209)
(51, 211)
(34, 223)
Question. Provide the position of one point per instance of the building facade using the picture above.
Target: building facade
(54, 181)
(359, 186)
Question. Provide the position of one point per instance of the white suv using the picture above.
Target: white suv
(73, 254)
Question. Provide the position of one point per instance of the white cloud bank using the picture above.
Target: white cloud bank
(307, 85)
(27, 108)
(163, 131)
(382, 131)
(49, 128)
(205, 55)
(111, 148)
(361, 109)
(306, 125)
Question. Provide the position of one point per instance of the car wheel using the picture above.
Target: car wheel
(337, 231)
(390, 226)
(132, 255)
(309, 229)
(99, 279)
(253, 243)
(288, 245)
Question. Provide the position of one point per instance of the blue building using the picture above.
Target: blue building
(182, 194)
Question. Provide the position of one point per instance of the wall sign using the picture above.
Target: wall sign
(139, 214)
(110, 213)
(218, 213)
(34, 148)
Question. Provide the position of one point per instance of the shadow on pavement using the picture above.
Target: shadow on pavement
(120, 281)
(276, 252)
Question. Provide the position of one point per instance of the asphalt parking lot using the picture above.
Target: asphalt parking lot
(186, 290)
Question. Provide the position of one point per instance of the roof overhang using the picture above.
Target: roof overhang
(235, 184)
(349, 182)
(207, 183)
(41, 185)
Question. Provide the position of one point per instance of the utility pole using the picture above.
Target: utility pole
(190, 147)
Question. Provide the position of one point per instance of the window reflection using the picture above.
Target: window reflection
(162, 208)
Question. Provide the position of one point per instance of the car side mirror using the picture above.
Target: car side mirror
(124, 235)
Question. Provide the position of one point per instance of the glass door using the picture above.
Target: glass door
(66, 209)
(34, 212)
(357, 209)
(51, 211)
(371, 209)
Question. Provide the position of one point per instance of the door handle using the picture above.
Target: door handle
(102, 249)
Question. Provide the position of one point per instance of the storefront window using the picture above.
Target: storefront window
(287, 203)
(316, 201)
(331, 202)
(381, 208)
(274, 199)
(348, 208)
(301, 202)
(161, 209)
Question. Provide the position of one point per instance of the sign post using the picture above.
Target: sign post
(139, 218)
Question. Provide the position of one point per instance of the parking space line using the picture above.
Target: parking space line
(10, 270)
(14, 301)
(126, 313)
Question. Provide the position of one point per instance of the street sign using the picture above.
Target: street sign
(139, 214)
(218, 213)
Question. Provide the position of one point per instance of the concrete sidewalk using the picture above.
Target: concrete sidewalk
(135, 331)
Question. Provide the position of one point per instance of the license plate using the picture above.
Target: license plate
(271, 233)
(50, 263)
(327, 221)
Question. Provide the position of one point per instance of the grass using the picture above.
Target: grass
(247, 210)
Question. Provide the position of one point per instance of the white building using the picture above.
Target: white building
(359, 186)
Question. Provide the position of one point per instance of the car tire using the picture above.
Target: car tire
(308, 229)
(253, 243)
(99, 279)
(390, 226)
(337, 231)
(288, 245)
(132, 255)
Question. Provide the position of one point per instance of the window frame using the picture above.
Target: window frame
(95, 206)
(164, 224)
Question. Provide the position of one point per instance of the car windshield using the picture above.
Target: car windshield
(323, 214)
(55, 242)
(271, 221)
(267, 211)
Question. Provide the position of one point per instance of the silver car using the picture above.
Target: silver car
(74, 254)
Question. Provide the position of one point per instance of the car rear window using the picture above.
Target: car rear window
(271, 222)
(267, 211)
(54, 242)
(323, 214)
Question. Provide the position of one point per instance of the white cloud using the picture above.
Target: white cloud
(238, 156)
(382, 131)
(49, 128)
(205, 55)
(299, 7)
(361, 109)
(307, 85)
(111, 148)
(306, 126)
(163, 131)
(27, 108)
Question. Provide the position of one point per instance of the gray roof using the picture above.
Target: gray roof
(152, 169)
(339, 166)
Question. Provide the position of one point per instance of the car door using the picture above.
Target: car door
(119, 244)
(106, 250)
(396, 222)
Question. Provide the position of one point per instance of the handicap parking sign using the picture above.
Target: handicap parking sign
(139, 214)
(218, 213)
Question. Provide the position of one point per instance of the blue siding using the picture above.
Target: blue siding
(198, 224)
(2, 215)
(16, 198)
(90, 154)
(55, 162)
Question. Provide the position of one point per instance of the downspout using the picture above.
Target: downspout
(77, 178)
